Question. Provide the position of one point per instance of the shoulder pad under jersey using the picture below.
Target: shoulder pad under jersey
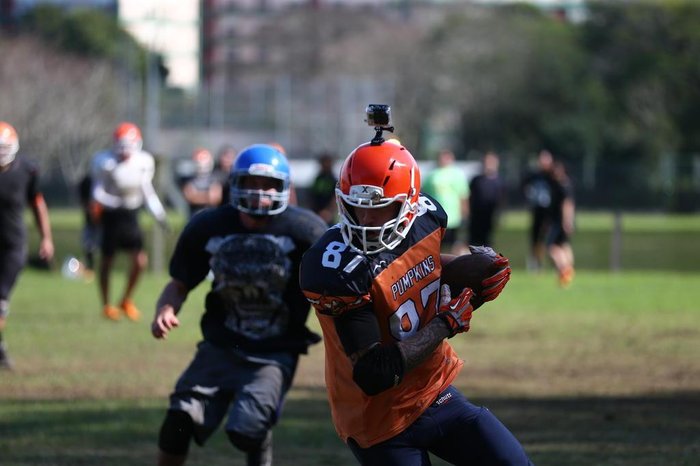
(335, 279)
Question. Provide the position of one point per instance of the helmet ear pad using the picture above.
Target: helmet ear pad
(373, 176)
(269, 197)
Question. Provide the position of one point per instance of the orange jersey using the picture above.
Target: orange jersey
(402, 287)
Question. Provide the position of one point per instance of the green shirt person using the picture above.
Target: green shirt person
(447, 183)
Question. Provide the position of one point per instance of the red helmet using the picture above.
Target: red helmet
(127, 138)
(374, 176)
(9, 143)
(203, 161)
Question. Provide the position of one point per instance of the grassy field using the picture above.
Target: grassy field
(604, 373)
(647, 242)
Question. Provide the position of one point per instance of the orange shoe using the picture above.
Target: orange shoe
(566, 277)
(110, 312)
(131, 311)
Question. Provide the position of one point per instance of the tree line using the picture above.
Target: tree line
(615, 95)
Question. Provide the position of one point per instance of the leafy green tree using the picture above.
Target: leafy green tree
(615, 95)
(520, 82)
(646, 53)
(90, 33)
(68, 78)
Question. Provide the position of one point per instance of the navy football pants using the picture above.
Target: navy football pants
(453, 429)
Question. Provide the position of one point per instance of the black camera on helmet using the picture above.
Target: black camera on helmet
(378, 115)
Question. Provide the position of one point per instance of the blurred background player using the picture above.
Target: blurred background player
(90, 235)
(487, 193)
(323, 189)
(448, 185)
(204, 188)
(375, 285)
(537, 188)
(19, 188)
(563, 214)
(254, 325)
(224, 161)
(122, 184)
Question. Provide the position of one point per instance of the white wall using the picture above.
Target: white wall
(171, 28)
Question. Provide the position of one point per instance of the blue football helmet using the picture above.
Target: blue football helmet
(260, 160)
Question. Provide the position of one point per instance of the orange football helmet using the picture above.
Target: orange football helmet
(203, 161)
(9, 143)
(127, 138)
(374, 176)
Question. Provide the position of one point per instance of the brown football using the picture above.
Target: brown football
(468, 271)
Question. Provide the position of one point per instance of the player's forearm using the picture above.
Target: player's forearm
(153, 204)
(416, 348)
(194, 196)
(173, 296)
(105, 198)
(41, 215)
(381, 367)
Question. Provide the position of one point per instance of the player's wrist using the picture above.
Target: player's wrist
(450, 323)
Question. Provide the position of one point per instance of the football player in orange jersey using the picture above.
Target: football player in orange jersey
(374, 281)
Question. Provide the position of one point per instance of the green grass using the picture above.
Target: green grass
(604, 373)
(649, 241)
(587, 221)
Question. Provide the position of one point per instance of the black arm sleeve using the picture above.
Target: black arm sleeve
(380, 368)
(357, 329)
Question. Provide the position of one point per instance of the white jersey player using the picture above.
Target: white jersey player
(122, 184)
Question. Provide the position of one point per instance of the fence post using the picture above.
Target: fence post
(153, 128)
(616, 242)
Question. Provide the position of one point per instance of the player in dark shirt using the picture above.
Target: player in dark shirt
(90, 236)
(254, 325)
(224, 161)
(19, 188)
(323, 189)
(486, 196)
(204, 188)
(562, 213)
(537, 188)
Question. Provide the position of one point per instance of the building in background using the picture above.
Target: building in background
(278, 70)
(210, 40)
(170, 28)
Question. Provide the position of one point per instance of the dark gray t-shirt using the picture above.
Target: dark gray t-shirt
(255, 303)
(19, 185)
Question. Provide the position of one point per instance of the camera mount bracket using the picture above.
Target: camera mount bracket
(378, 138)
